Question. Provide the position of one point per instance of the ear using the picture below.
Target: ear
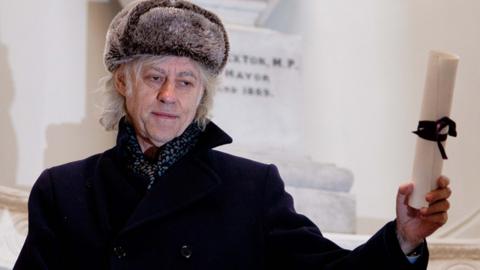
(119, 81)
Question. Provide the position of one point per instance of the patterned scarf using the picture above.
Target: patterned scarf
(168, 153)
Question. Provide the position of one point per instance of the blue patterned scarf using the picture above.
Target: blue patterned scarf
(168, 153)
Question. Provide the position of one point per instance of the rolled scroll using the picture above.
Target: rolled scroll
(434, 125)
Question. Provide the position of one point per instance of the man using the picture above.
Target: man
(162, 198)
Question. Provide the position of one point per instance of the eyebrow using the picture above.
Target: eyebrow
(186, 74)
(179, 74)
(160, 70)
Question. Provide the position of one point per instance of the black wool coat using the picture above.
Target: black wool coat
(210, 210)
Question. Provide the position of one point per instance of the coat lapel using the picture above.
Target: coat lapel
(105, 168)
(110, 188)
(188, 181)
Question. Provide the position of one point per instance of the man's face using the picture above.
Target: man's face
(164, 99)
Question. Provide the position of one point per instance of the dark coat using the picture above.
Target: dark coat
(211, 210)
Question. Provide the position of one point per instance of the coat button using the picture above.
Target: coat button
(88, 184)
(120, 252)
(186, 251)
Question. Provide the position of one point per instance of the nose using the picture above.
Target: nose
(166, 94)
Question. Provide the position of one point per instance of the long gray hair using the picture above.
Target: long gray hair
(113, 107)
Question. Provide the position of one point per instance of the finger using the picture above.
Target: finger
(404, 190)
(443, 181)
(438, 218)
(438, 194)
(437, 207)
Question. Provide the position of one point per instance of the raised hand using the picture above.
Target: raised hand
(414, 225)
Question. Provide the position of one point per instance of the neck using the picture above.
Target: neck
(148, 148)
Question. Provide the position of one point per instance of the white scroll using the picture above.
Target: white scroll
(437, 103)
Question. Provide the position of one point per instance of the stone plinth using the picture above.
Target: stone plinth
(13, 224)
(259, 100)
(320, 191)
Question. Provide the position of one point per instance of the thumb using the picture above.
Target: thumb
(404, 191)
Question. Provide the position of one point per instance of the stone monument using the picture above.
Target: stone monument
(259, 103)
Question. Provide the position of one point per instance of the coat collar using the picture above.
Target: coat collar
(189, 180)
(212, 137)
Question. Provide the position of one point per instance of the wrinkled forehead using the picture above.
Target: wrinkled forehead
(175, 64)
(166, 64)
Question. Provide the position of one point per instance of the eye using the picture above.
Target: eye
(155, 78)
(152, 75)
(185, 83)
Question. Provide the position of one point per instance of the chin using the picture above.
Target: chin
(161, 138)
(165, 132)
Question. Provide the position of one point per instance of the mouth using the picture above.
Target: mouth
(164, 115)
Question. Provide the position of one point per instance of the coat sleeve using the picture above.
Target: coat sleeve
(294, 242)
(41, 249)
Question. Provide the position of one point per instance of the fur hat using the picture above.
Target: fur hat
(166, 27)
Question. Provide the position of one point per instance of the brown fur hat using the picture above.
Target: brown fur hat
(166, 27)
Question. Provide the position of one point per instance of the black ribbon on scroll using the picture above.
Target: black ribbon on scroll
(430, 130)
